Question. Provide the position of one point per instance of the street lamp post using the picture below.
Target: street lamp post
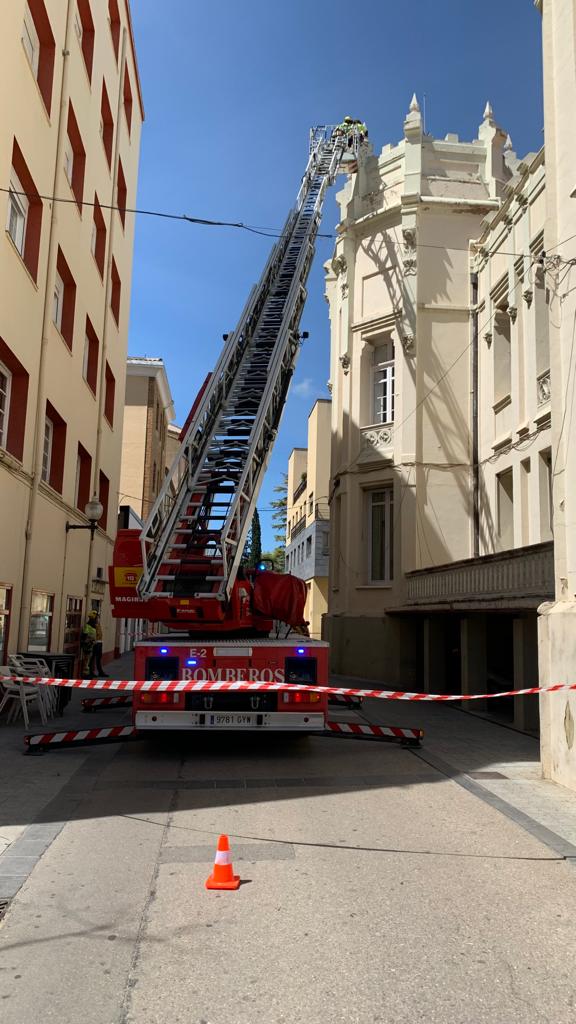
(93, 512)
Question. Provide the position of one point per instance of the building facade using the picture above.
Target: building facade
(557, 638)
(148, 445)
(71, 115)
(307, 515)
(436, 569)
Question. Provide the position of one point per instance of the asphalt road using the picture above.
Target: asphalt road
(375, 889)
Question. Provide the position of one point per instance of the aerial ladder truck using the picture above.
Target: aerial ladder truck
(184, 568)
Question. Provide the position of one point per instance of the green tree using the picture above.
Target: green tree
(276, 559)
(255, 553)
(280, 506)
(252, 553)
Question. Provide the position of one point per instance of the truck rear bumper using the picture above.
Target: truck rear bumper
(283, 721)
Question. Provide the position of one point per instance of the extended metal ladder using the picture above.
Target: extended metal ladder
(193, 539)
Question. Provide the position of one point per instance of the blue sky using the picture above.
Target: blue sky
(230, 91)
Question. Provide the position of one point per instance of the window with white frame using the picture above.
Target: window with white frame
(78, 25)
(381, 516)
(5, 388)
(58, 301)
(86, 359)
(47, 449)
(17, 214)
(68, 161)
(383, 383)
(30, 41)
(77, 481)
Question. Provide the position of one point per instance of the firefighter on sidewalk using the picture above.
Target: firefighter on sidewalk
(87, 644)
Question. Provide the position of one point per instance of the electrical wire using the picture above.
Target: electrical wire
(240, 225)
(202, 221)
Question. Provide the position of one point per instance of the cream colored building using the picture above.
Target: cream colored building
(71, 115)
(440, 434)
(558, 618)
(147, 444)
(307, 515)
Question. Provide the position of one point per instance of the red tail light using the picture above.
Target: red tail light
(300, 697)
(159, 698)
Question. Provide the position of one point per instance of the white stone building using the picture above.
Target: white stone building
(558, 618)
(435, 578)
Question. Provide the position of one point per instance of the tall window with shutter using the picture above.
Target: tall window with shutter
(383, 378)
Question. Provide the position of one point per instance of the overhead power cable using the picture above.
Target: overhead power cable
(240, 225)
(202, 221)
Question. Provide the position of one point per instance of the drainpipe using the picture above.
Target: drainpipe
(475, 466)
(107, 286)
(46, 312)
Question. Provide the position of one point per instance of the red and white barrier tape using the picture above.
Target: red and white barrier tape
(91, 703)
(45, 739)
(187, 685)
(355, 729)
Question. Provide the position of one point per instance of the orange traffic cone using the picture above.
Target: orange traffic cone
(223, 876)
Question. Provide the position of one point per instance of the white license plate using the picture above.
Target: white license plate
(228, 718)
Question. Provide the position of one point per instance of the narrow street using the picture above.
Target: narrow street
(380, 883)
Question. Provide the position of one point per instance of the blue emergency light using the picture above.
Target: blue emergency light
(191, 661)
(300, 650)
(163, 650)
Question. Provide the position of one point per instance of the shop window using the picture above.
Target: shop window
(90, 361)
(84, 27)
(115, 25)
(39, 45)
(103, 496)
(5, 608)
(13, 401)
(98, 244)
(73, 625)
(83, 478)
(24, 212)
(109, 395)
(106, 124)
(54, 448)
(64, 301)
(40, 627)
(74, 158)
(381, 512)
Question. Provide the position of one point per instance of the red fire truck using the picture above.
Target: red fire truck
(184, 569)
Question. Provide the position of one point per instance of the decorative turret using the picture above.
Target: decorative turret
(413, 123)
(496, 172)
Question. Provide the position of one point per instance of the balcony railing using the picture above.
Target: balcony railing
(321, 514)
(300, 488)
(298, 527)
(521, 577)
